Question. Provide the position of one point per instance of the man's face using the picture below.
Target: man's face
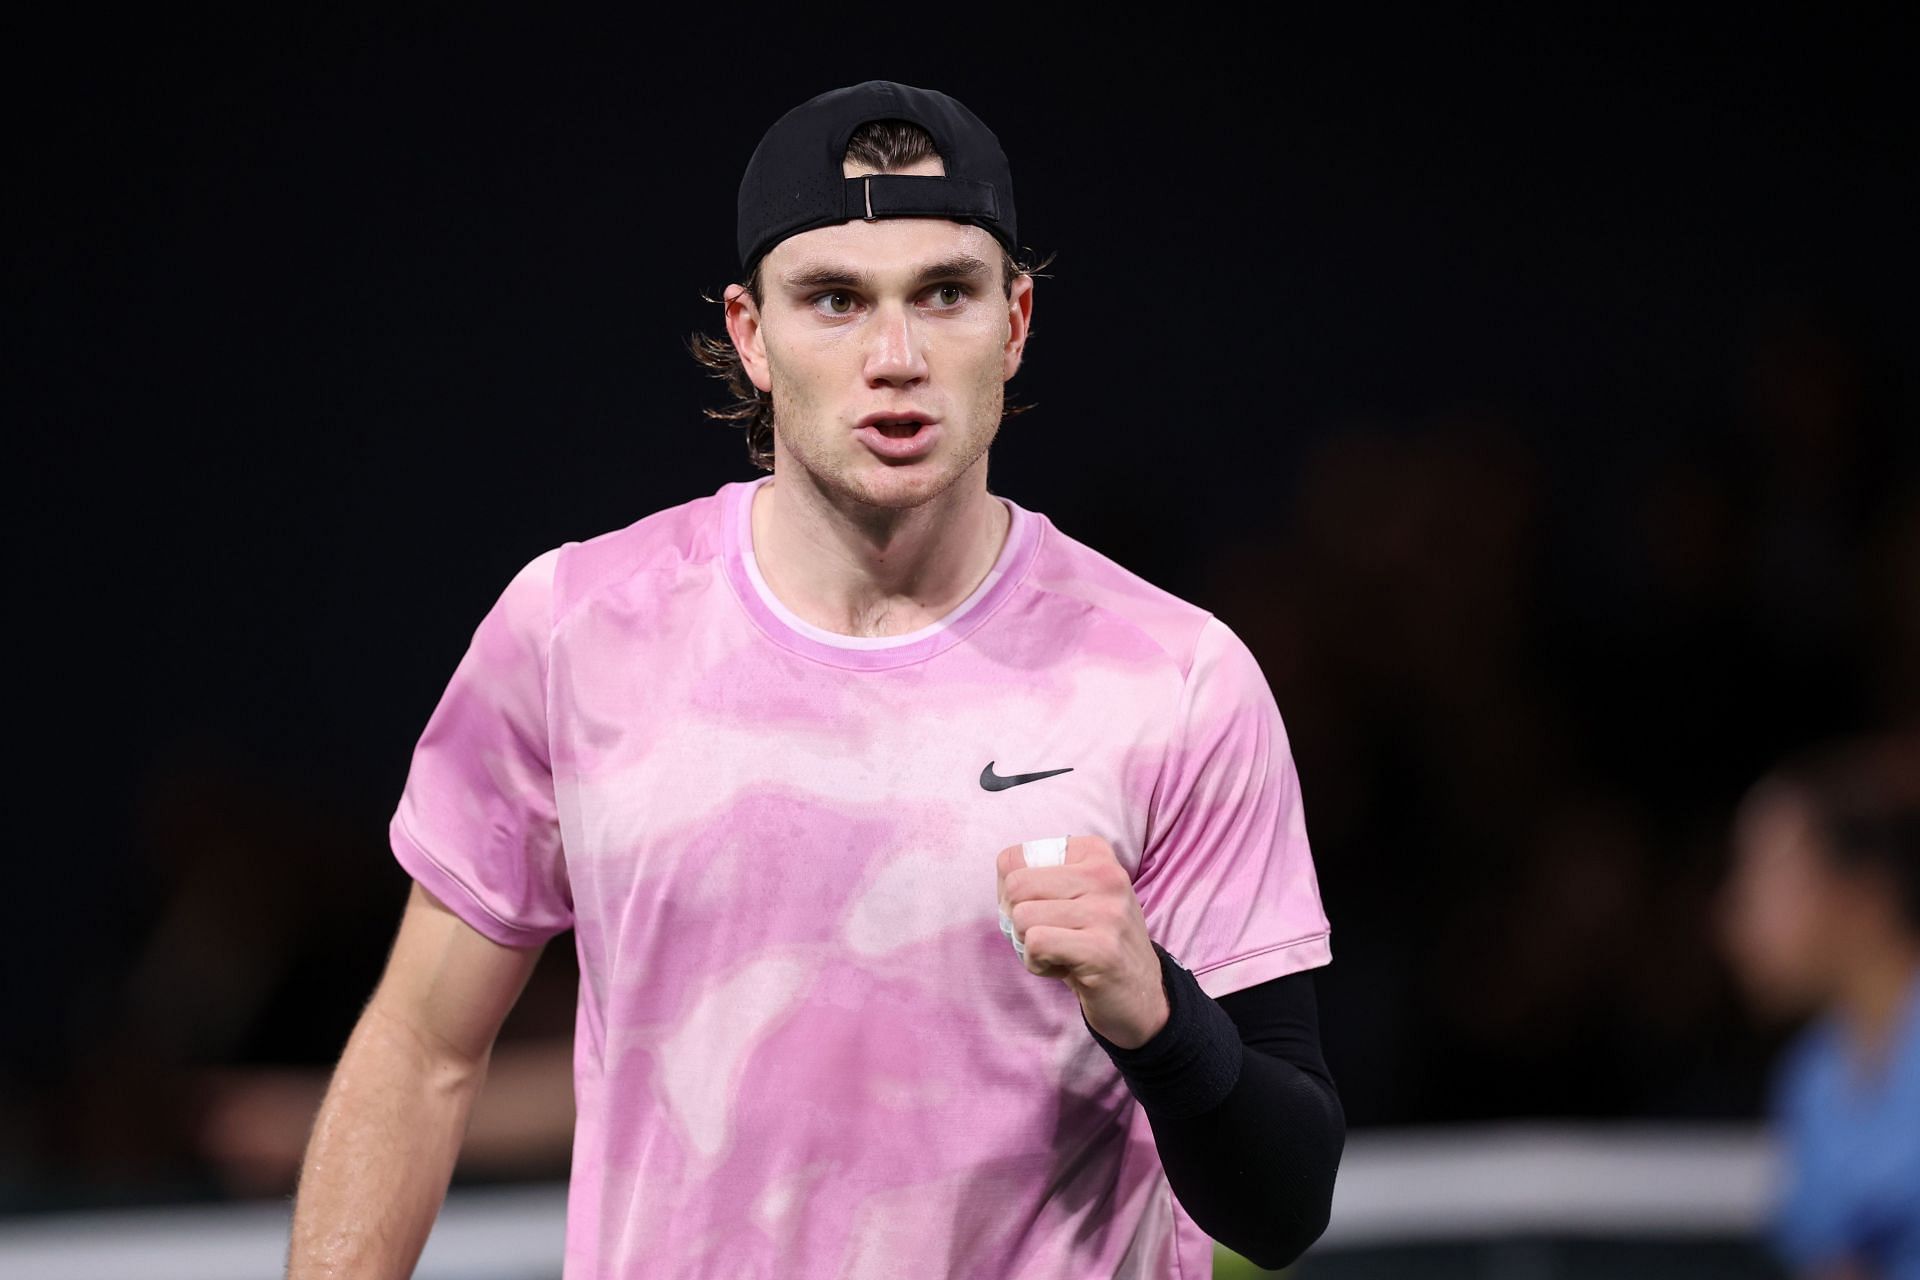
(886, 346)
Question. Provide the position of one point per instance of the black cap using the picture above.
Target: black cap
(795, 181)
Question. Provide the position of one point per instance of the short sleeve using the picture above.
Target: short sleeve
(477, 825)
(1226, 878)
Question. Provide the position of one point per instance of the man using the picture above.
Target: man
(1822, 917)
(778, 755)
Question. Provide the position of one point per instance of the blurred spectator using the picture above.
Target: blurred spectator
(255, 1121)
(200, 1061)
(1822, 918)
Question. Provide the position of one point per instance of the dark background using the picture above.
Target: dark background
(1538, 402)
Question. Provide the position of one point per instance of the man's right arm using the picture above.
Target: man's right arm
(385, 1140)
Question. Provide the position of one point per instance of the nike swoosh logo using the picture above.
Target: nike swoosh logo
(991, 781)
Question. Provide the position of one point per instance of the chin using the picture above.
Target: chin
(902, 488)
(896, 486)
(862, 477)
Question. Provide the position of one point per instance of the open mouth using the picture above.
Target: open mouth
(900, 437)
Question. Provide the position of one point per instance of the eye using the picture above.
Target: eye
(959, 294)
(834, 304)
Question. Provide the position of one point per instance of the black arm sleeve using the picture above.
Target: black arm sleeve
(1244, 1112)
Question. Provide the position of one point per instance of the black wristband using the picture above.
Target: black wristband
(1190, 1064)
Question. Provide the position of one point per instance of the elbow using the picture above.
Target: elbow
(1300, 1213)
(1262, 1182)
(1273, 1228)
(1290, 1239)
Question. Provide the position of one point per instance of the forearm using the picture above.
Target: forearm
(381, 1154)
(1250, 1141)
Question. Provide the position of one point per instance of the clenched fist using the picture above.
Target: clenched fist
(1080, 922)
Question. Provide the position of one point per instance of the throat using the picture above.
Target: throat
(868, 583)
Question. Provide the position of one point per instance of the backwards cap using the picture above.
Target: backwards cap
(796, 180)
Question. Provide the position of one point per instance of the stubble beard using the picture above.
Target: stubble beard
(838, 476)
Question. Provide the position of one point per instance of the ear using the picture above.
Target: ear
(1019, 324)
(743, 327)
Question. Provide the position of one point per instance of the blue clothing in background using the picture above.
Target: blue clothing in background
(1852, 1144)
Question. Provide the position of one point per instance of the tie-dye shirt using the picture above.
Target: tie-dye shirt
(803, 1046)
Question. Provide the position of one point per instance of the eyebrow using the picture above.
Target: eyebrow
(823, 275)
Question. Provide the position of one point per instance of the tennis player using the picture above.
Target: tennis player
(783, 756)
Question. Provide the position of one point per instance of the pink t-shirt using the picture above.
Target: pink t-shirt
(803, 1046)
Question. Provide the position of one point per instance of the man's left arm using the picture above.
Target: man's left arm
(1244, 1112)
(1248, 1127)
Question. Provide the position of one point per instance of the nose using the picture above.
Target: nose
(896, 352)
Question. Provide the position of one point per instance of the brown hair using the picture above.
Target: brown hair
(1864, 798)
(885, 146)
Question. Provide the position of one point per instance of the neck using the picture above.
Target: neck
(864, 570)
(1874, 995)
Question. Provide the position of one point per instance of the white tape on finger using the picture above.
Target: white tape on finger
(1051, 852)
(1048, 852)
